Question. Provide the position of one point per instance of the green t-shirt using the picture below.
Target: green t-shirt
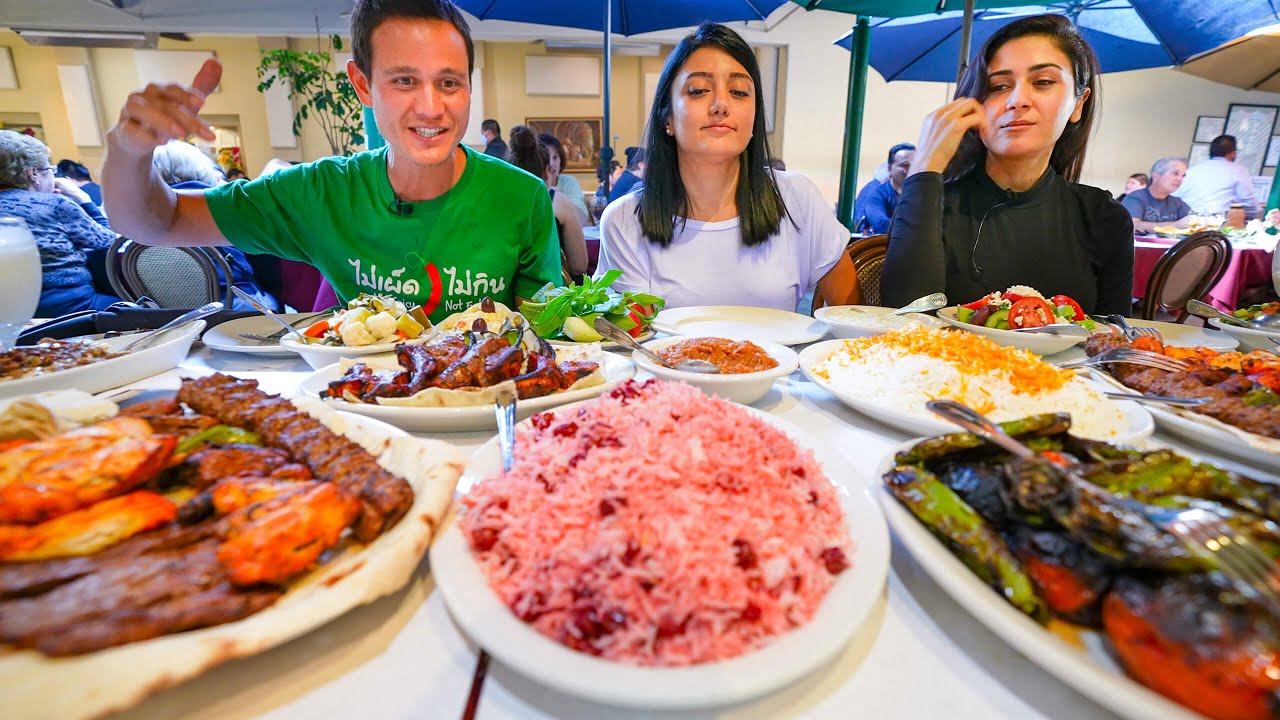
(492, 235)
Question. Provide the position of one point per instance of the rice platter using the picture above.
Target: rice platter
(906, 368)
(658, 526)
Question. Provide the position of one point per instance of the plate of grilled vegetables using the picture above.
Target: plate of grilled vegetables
(1081, 582)
(140, 548)
(1241, 419)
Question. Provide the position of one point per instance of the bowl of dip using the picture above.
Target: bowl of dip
(855, 321)
(748, 368)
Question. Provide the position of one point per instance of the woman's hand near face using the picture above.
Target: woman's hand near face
(941, 134)
(64, 186)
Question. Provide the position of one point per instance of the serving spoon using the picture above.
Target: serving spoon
(928, 303)
(620, 336)
(253, 302)
(191, 316)
(1205, 310)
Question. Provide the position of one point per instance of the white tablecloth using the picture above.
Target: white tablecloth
(918, 656)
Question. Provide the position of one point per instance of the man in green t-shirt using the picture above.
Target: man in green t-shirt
(425, 218)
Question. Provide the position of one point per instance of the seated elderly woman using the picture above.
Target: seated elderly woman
(713, 224)
(63, 219)
(183, 166)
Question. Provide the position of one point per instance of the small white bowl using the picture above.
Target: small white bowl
(742, 388)
(1249, 338)
(844, 321)
(318, 356)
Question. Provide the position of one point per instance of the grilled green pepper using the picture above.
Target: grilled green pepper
(217, 435)
(933, 448)
(967, 535)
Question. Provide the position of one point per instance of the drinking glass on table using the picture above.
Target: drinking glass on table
(20, 276)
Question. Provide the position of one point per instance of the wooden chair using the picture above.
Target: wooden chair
(1187, 271)
(174, 277)
(868, 255)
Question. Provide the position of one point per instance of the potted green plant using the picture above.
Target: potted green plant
(319, 91)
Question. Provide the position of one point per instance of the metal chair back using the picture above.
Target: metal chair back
(174, 277)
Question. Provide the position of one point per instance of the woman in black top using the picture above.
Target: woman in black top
(1010, 211)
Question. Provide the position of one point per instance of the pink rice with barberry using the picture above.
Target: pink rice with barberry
(658, 526)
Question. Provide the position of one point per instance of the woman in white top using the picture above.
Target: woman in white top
(713, 225)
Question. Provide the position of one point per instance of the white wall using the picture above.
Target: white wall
(1146, 114)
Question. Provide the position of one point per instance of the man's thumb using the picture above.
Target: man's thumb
(208, 78)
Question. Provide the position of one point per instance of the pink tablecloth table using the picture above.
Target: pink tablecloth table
(1249, 266)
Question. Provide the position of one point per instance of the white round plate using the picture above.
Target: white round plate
(924, 423)
(1206, 432)
(1038, 343)
(841, 326)
(1248, 338)
(457, 419)
(604, 344)
(162, 355)
(491, 624)
(738, 322)
(1091, 671)
(226, 336)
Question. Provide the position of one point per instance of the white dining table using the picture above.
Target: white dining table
(918, 655)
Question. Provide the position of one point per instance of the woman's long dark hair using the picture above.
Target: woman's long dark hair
(760, 206)
(1068, 152)
(527, 153)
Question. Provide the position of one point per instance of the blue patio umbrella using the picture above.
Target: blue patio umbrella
(625, 17)
(926, 47)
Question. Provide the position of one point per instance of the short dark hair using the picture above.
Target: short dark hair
(369, 14)
(527, 153)
(899, 148)
(1067, 158)
(73, 170)
(492, 126)
(760, 205)
(635, 158)
(1141, 176)
(1222, 146)
(553, 143)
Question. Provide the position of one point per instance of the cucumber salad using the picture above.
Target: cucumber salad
(1023, 307)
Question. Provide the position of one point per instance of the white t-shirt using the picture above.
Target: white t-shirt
(1214, 184)
(707, 264)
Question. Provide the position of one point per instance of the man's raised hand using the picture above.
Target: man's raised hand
(161, 112)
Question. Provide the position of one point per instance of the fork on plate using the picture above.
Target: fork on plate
(275, 336)
(1130, 332)
(1130, 356)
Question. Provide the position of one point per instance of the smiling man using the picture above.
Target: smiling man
(425, 218)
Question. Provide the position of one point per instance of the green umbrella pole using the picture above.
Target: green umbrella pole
(373, 138)
(858, 62)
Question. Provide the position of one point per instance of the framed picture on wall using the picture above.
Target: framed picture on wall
(580, 136)
(1273, 152)
(1198, 154)
(1208, 128)
(1252, 126)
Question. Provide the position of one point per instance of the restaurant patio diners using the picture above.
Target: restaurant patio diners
(604, 359)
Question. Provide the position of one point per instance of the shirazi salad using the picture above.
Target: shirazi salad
(569, 312)
(369, 320)
(1023, 307)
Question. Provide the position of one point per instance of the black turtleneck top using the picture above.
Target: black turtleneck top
(970, 237)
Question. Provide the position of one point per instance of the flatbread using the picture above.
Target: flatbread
(468, 397)
(95, 684)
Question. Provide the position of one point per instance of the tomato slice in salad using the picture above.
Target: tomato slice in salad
(980, 303)
(1030, 312)
(1061, 300)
